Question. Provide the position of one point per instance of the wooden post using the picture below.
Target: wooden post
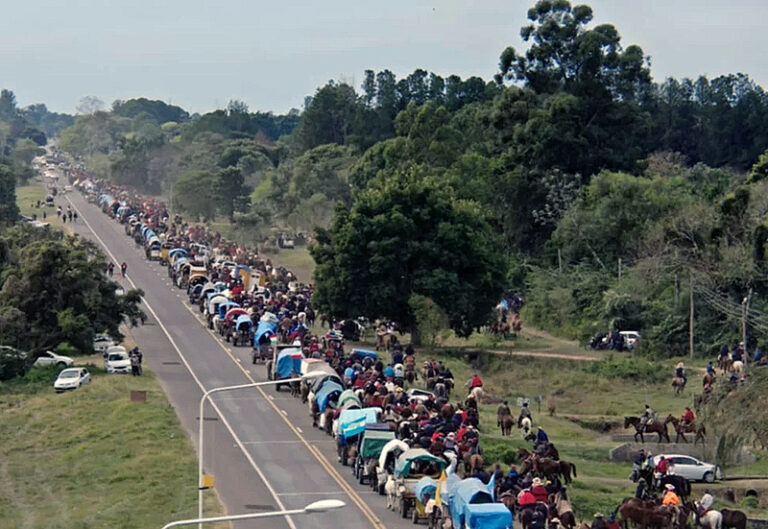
(690, 320)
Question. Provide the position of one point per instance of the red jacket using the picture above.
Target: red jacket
(526, 498)
(689, 416)
(662, 466)
(540, 493)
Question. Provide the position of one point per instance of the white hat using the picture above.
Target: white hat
(670, 486)
(536, 482)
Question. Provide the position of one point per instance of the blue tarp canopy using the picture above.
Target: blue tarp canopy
(243, 319)
(288, 361)
(241, 267)
(467, 494)
(264, 331)
(423, 486)
(352, 422)
(349, 398)
(362, 353)
(224, 307)
(327, 391)
(487, 516)
(176, 251)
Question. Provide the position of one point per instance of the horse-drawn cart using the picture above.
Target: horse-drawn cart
(411, 466)
(369, 446)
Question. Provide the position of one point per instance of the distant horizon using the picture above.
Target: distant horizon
(271, 57)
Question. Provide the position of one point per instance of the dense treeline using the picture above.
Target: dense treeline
(603, 190)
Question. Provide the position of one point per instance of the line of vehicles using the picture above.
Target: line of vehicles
(421, 486)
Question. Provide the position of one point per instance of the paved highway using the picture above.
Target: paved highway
(259, 443)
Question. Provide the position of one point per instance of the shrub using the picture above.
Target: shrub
(627, 369)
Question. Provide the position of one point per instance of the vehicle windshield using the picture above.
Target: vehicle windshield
(117, 356)
(68, 374)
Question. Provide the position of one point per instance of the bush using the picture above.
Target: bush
(627, 369)
(66, 349)
(750, 502)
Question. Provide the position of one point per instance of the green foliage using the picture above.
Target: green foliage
(192, 194)
(750, 502)
(409, 236)
(13, 363)
(9, 211)
(627, 369)
(59, 286)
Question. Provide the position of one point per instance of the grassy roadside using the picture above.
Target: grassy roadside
(92, 458)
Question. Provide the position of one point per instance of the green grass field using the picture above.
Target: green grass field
(27, 197)
(92, 458)
(297, 261)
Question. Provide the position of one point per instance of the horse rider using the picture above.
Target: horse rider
(541, 441)
(637, 464)
(710, 369)
(598, 522)
(501, 411)
(474, 382)
(526, 500)
(646, 417)
(670, 498)
(612, 523)
(525, 411)
(539, 491)
(704, 505)
(642, 492)
(662, 467)
(688, 418)
(680, 372)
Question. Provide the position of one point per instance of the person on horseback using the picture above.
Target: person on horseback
(475, 382)
(612, 523)
(526, 500)
(642, 492)
(645, 418)
(598, 522)
(539, 491)
(710, 369)
(670, 498)
(662, 467)
(524, 412)
(688, 418)
(680, 372)
(502, 411)
(637, 464)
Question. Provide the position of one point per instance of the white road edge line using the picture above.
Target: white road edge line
(194, 376)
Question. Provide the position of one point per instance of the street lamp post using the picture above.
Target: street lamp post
(206, 396)
(318, 506)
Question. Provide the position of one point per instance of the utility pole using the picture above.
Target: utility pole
(744, 310)
(619, 269)
(690, 320)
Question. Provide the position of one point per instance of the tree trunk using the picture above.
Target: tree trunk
(415, 336)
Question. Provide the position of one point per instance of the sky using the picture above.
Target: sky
(199, 54)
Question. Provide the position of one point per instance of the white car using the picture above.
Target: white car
(71, 379)
(50, 358)
(691, 468)
(420, 395)
(117, 362)
(631, 338)
(101, 342)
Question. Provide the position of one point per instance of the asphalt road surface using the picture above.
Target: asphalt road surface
(259, 443)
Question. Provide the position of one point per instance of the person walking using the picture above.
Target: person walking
(124, 269)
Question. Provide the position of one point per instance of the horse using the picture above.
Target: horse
(724, 364)
(681, 430)
(711, 520)
(384, 340)
(390, 489)
(506, 424)
(526, 515)
(472, 464)
(734, 519)
(678, 385)
(651, 427)
(737, 367)
(562, 507)
(526, 425)
(644, 513)
(477, 393)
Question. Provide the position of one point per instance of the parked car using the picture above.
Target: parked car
(71, 379)
(50, 358)
(631, 338)
(691, 468)
(420, 395)
(117, 362)
(101, 342)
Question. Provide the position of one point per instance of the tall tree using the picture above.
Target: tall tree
(409, 236)
(9, 211)
(231, 193)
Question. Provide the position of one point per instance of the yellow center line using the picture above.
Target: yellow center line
(352, 493)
